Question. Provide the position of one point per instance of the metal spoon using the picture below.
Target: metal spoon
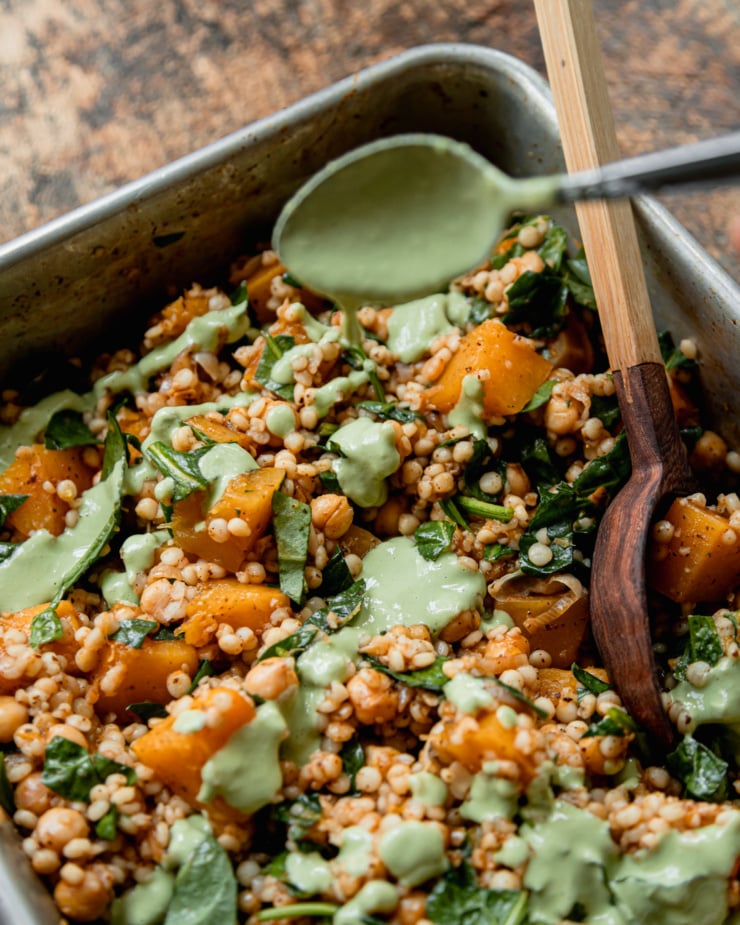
(400, 217)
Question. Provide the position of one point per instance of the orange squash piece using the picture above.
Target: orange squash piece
(177, 757)
(26, 475)
(248, 497)
(559, 684)
(21, 620)
(125, 675)
(229, 601)
(547, 624)
(475, 740)
(702, 560)
(218, 428)
(507, 364)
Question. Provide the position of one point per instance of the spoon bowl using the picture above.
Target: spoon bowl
(400, 217)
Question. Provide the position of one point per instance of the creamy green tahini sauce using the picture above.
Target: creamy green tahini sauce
(309, 872)
(413, 852)
(355, 852)
(682, 881)
(222, 463)
(280, 420)
(469, 408)
(369, 457)
(428, 789)
(490, 797)
(340, 388)
(717, 700)
(513, 853)
(375, 896)
(137, 555)
(440, 589)
(146, 903)
(39, 567)
(317, 667)
(414, 325)
(204, 332)
(246, 771)
(185, 836)
(468, 693)
(32, 421)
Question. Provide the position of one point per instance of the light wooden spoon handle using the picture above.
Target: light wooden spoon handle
(589, 139)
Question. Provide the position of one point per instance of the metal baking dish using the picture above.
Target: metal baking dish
(105, 265)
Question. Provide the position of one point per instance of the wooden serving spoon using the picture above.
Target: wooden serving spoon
(619, 612)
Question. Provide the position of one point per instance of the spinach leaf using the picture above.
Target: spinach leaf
(494, 551)
(133, 632)
(704, 641)
(205, 888)
(107, 825)
(562, 505)
(432, 678)
(390, 411)
(606, 409)
(538, 462)
(71, 771)
(292, 645)
(329, 481)
(480, 310)
(702, 772)
(616, 722)
(7, 800)
(480, 463)
(577, 277)
(553, 248)
(340, 609)
(292, 523)
(353, 758)
(336, 576)
(673, 357)
(275, 347)
(541, 396)
(457, 899)
(8, 504)
(589, 681)
(299, 814)
(539, 300)
(182, 468)
(45, 627)
(433, 538)
(451, 510)
(205, 670)
(7, 550)
(357, 358)
(67, 429)
(147, 709)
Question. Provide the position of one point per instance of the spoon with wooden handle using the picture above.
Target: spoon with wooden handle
(619, 613)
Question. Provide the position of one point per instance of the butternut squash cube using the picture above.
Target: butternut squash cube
(511, 369)
(701, 562)
(247, 497)
(26, 475)
(229, 601)
(177, 758)
(126, 675)
(549, 622)
(21, 620)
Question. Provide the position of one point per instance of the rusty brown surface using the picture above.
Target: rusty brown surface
(94, 93)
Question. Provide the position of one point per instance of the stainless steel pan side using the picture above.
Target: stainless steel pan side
(105, 264)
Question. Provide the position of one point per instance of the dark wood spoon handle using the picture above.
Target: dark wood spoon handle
(619, 608)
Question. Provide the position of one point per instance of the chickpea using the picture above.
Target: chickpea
(373, 696)
(65, 731)
(386, 523)
(332, 514)
(12, 715)
(517, 481)
(60, 825)
(709, 451)
(562, 414)
(271, 679)
(33, 794)
(85, 901)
